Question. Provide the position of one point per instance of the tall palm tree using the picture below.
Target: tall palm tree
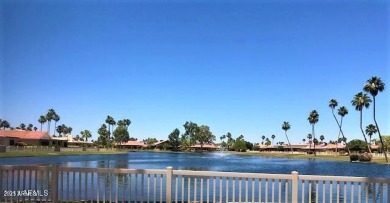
(262, 137)
(304, 140)
(322, 137)
(342, 111)
(49, 116)
(313, 119)
(273, 137)
(56, 118)
(309, 136)
(42, 120)
(111, 122)
(286, 126)
(375, 85)
(370, 130)
(359, 101)
(86, 134)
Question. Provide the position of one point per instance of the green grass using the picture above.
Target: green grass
(380, 160)
(52, 153)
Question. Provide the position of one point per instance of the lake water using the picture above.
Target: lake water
(210, 161)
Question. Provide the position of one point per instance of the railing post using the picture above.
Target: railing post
(169, 184)
(294, 185)
(54, 183)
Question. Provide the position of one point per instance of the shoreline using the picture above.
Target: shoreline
(376, 160)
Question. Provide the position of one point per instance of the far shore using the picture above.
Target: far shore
(345, 158)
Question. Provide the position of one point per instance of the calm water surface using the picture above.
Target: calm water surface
(210, 161)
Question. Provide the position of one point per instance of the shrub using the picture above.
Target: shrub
(354, 157)
(365, 157)
(280, 148)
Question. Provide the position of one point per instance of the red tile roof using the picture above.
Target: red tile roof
(23, 134)
(133, 143)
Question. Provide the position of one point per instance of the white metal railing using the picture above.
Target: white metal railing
(53, 184)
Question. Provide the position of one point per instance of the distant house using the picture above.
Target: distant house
(132, 144)
(72, 142)
(30, 138)
(206, 146)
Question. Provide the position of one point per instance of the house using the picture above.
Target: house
(135, 144)
(206, 146)
(30, 138)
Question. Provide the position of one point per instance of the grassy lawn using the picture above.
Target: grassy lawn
(52, 153)
(380, 160)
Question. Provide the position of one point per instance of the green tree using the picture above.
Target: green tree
(375, 85)
(313, 119)
(190, 133)
(42, 120)
(30, 127)
(370, 130)
(150, 141)
(35, 128)
(104, 136)
(111, 122)
(230, 140)
(85, 134)
(174, 139)
(267, 142)
(249, 145)
(322, 137)
(342, 111)
(309, 136)
(60, 129)
(286, 126)
(204, 135)
(359, 101)
(357, 145)
(4, 124)
(239, 145)
(56, 118)
(22, 126)
(49, 117)
(121, 134)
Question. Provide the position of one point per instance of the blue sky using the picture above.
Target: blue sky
(237, 66)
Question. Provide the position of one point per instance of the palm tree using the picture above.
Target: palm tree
(286, 126)
(375, 85)
(273, 137)
(56, 118)
(4, 124)
(359, 101)
(313, 119)
(304, 140)
(60, 129)
(370, 130)
(111, 122)
(35, 128)
(85, 134)
(342, 111)
(262, 137)
(42, 120)
(309, 136)
(30, 127)
(49, 117)
(22, 126)
(322, 138)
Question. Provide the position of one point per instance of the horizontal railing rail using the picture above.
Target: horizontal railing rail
(67, 184)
